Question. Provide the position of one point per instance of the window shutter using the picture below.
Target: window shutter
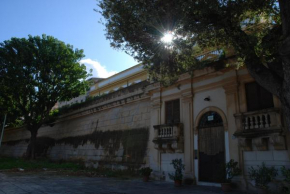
(172, 112)
(257, 97)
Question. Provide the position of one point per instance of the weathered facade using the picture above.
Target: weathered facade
(206, 120)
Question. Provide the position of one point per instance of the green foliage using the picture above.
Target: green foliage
(75, 106)
(232, 169)
(100, 98)
(35, 73)
(16, 122)
(134, 143)
(138, 26)
(286, 173)
(145, 171)
(178, 167)
(14, 163)
(286, 184)
(116, 173)
(262, 175)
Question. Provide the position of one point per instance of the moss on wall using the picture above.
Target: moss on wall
(42, 144)
(15, 142)
(134, 143)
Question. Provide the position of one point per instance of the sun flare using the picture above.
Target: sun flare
(167, 38)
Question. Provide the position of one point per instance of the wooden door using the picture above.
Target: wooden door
(211, 148)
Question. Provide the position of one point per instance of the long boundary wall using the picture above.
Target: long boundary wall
(112, 131)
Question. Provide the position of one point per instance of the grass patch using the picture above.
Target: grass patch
(124, 174)
(7, 163)
(75, 168)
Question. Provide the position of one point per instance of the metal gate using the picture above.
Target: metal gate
(211, 148)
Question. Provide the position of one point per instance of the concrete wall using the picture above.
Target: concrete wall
(112, 132)
(271, 157)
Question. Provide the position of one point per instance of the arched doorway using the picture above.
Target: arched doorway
(211, 144)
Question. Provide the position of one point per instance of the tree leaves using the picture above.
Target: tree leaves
(138, 26)
(36, 73)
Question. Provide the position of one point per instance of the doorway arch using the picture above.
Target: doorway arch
(211, 126)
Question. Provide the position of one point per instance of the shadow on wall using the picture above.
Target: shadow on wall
(134, 144)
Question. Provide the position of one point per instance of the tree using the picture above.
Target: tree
(259, 31)
(35, 73)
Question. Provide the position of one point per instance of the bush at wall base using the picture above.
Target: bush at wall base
(145, 172)
(177, 175)
(262, 176)
(286, 182)
(231, 169)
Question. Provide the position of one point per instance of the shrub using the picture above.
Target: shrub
(262, 175)
(232, 170)
(146, 171)
(179, 167)
(286, 183)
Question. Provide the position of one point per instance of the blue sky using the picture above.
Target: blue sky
(71, 21)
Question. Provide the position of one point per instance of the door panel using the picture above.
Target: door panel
(211, 151)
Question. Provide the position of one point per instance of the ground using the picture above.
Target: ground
(49, 182)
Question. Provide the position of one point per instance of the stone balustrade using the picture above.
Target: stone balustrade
(259, 129)
(262, 119)
(168, 138)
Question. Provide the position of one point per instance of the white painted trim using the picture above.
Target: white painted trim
(208, 184)
(227, 146)
(121, 75)
(196, 169)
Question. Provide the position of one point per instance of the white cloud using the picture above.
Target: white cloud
(98, 70)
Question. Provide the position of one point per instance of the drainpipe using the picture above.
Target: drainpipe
(191, 128)
(238, 92)
(2, 132)
(160, 114)
(240, 150)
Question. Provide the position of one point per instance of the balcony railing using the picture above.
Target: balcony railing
(260, 128)
(262, 119)
(168, 138)
(168, 131)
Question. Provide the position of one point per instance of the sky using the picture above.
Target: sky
(72, 21)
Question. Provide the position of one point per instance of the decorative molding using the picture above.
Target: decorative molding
(261, 143)
(178, 146)
(245, 144)
(169, 138)
(207, 109)
(159, 147)
(231, 88)
(156, 104)
(278, 142)
(168, 148)
(186, 97)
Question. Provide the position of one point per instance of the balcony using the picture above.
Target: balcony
(169, 138)
(260, 128)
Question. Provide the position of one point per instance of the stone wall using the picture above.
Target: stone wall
(112, 131)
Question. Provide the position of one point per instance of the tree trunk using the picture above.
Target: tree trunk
(284, 52)
(285, 16)
(30, 152)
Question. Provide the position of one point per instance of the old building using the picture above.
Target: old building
(206, 120)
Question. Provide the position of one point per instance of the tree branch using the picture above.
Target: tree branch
(263, 75)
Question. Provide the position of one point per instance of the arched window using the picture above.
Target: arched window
(210, 119)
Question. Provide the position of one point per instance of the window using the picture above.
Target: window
(172, 112)
(257, 97)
